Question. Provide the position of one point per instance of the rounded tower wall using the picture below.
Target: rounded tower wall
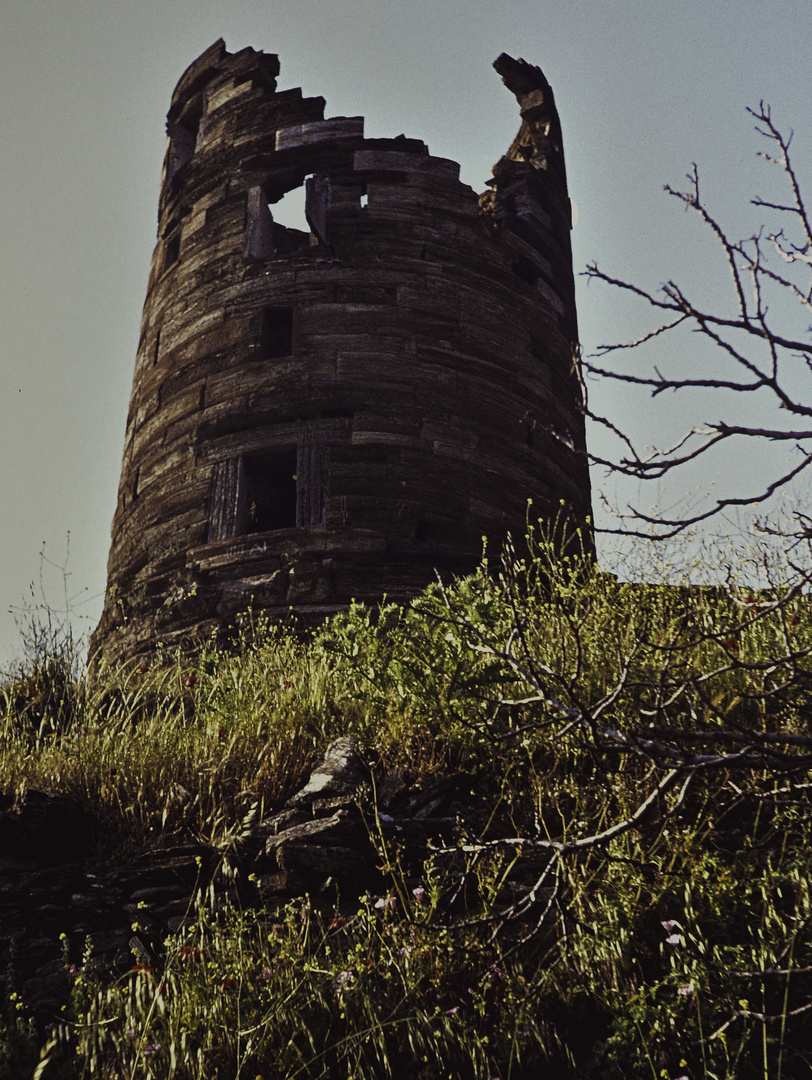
(337, 412)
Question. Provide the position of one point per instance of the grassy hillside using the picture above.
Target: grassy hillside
(628, 897)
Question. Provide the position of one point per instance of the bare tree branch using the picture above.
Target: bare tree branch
(765, 357)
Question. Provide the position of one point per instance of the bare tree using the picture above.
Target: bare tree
(757, 349)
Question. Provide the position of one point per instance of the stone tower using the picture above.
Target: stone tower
(338, 412)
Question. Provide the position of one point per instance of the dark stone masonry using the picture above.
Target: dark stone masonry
(64, 907)
(340, 411)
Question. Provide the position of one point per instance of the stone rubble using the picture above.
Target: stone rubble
(58, 897)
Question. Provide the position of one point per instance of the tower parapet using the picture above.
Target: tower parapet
(339, 411)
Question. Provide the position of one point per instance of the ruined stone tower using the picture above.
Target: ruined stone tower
(332, 414)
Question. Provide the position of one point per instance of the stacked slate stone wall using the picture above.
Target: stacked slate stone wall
(68, 903)
(340, 411)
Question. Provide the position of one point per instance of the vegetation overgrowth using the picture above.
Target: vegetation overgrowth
(631, 899)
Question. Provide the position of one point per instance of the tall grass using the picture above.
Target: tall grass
(627, 896)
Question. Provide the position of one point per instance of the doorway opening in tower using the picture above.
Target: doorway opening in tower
(271, 492)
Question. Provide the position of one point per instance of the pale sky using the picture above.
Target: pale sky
(643, 87)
